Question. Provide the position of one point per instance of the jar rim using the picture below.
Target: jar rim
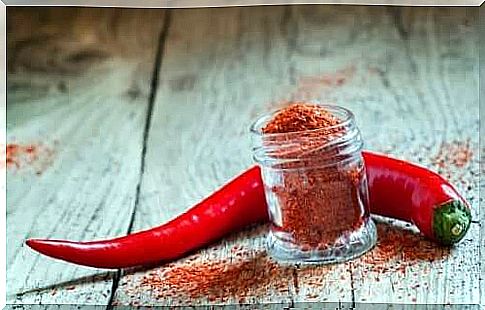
(257, 125)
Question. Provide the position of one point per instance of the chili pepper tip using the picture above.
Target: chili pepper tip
(34, 244)
(41, 246)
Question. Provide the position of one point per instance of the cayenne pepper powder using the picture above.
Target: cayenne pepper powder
(15, 152)
(36, 156)
(247, 275)
(399, 250)
(318, 85)
(244, 276)
(315, 183)
(455, 153)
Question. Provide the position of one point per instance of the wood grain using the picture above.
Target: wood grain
(77, 93)
(183, 164)
(439, 67)
(409, 76)
(481, 32)
(363, 58)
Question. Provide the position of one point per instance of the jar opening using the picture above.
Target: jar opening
(345, 117)
(320, 146)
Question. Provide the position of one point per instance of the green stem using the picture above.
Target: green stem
(451, 222)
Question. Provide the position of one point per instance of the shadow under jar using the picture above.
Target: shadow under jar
(316, 188)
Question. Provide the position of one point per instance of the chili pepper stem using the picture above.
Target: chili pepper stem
(451, 222)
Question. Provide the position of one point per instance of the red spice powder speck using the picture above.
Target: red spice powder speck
(455, 153)
(36, 156)
(309, 87)
(253, 276)
(398, 249)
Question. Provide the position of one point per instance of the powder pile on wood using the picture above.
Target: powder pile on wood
(398, 249)
(247, 276)
(318, 203)
(242, 276)
(312, 278)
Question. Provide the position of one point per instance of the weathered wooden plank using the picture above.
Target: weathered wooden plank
(79, 83)
(481, 44)
(236, 270)
(223, 67)
(329, 63)
(482, 238)
(403, 89)
(434, 78)
(261, 58)
(481, 223)
(377, 306)
(219, 67)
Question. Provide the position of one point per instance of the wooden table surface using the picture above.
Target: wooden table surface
(134, 115)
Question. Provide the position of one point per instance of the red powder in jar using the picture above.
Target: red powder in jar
(318, 202)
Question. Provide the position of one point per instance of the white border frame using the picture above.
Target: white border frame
(148, 4)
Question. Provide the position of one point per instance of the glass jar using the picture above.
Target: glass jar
(316, 191)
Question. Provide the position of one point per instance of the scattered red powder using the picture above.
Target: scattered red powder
(36, 156)
(338, 78)
(245, 275)
(16, 152)
(455, 153)
(313, 277)
(398, 249)
(312, 86)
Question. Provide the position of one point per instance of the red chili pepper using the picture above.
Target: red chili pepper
(397, 189)
(236, 205)
(411, 193)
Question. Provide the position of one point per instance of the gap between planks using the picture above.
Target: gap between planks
(146, 131)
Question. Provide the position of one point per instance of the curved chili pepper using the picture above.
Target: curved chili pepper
(405, 191)
(397, 189)
(236, 205)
